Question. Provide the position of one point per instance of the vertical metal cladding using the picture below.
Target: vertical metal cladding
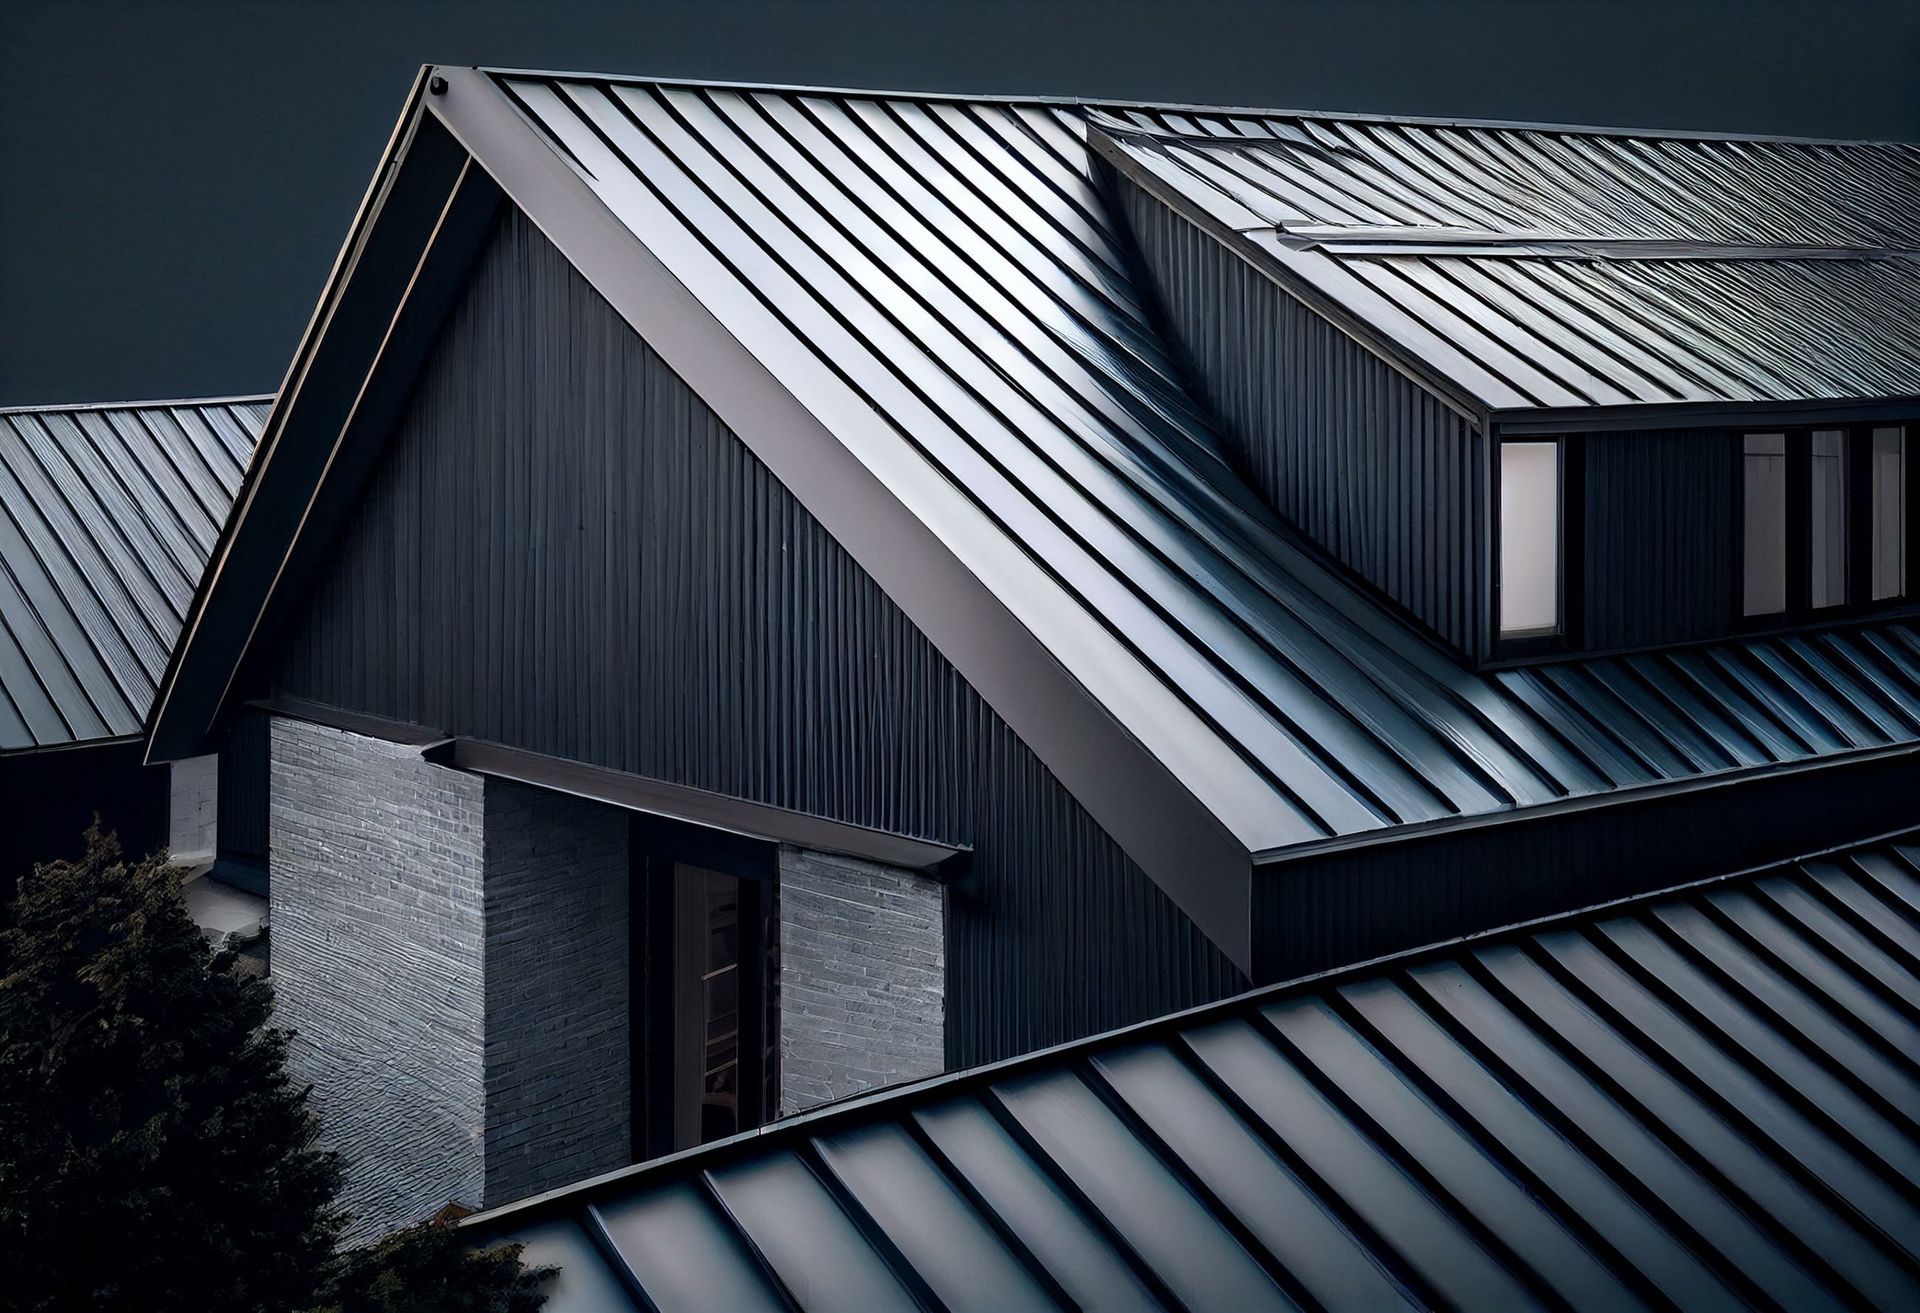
(1324, 910)
(565, 551)
(243, 789)
(1372, 467)
(1659, 558)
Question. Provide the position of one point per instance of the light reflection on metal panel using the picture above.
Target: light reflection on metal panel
(1579, 268)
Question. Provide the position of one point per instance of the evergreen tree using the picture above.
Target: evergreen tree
(153, 1152)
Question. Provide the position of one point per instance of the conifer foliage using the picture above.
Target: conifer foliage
(154, 1153)
(152, 1146)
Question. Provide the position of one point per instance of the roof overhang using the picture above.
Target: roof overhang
(411, 243)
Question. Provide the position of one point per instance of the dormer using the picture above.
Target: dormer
(1551, 392)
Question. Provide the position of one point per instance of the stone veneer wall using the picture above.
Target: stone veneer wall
(451, 952)
(559, 1099)
(862, 977)
(378, 925)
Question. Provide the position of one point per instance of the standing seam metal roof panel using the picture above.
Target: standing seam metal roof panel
(1557, 268)
(1705, 1100)
(943, 283)
(107, 516)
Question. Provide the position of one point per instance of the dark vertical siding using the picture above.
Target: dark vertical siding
(566, 551)
(1354, 454)
(1320, 911)
(243, 789)
(1659, 525)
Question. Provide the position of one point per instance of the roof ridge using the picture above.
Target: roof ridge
(1101, 103)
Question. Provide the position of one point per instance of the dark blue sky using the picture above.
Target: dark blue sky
(178, 176)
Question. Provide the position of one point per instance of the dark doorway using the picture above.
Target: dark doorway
(704, 998)
(243, 799)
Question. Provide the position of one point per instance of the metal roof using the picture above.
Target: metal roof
(945, 284)
(923, 315)
(1555, 268)
(107, 516)
(1710, 1099)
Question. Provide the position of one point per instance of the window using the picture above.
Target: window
(712, 989)
(1825, 521)
(1765, 462)
(704, 986)
(1887, 452)
(1529, 539)
(1827, 531)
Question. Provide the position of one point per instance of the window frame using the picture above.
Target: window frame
(1569, 554)
(1858, 551)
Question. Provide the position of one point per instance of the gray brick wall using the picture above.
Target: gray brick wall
(558, 1096)
(377, 914)
(862, 977)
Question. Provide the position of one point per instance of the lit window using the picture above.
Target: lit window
(1766, 531)
(1887, 454)
(1529, 539)
(1827, 522)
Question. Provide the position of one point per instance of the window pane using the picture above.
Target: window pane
(1529, 538)
(1888, 451)
(1766, 532)
(1827, 567)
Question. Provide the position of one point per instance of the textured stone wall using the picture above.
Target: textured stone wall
(862, 977)
(558, 1094)
(378, 927)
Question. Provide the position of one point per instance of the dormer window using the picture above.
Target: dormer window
(1530, 541)
(1764, 462)
(1887, 458)
(1825, 527)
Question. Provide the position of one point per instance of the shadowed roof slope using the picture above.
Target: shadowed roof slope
(107, 516)
(1706, 1100)
(1558, 268)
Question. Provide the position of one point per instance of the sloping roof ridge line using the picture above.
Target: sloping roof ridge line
(800, 1123)
(170, 403)
(1092, 104)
